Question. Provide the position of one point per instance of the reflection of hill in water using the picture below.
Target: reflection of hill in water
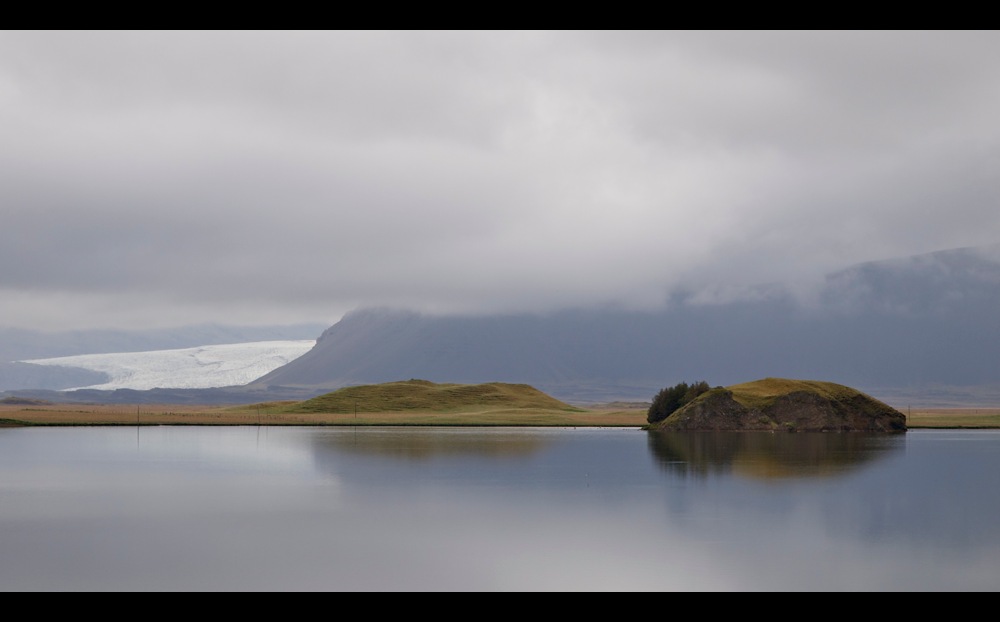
(767, 455)
(426, 443)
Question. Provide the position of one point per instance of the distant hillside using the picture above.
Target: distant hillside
(14, 376)
(921, 330)
(962, 282)
(421, 395)
(898, 326)
(23, 401)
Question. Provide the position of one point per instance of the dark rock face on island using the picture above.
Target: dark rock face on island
(777, 404)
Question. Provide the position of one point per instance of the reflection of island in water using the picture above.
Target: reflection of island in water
(415, 443)
(768, 455)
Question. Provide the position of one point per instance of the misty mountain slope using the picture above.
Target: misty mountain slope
(382, 345)
(919, 321)
(932, 284)
(909, 327)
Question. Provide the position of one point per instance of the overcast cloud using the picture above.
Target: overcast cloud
(166, 178)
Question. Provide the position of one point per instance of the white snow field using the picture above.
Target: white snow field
(203, 367)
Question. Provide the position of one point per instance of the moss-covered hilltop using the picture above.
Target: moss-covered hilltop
(422, 395)
(778, 404)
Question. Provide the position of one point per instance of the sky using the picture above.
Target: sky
(156, 179)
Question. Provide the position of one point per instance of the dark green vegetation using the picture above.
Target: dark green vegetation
(422, 395)
(670, 399)
(784, 404)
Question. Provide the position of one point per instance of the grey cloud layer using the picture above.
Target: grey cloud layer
(166, 177)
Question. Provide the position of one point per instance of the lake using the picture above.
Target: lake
(496, 509)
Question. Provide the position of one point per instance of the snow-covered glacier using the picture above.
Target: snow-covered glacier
(203, 367)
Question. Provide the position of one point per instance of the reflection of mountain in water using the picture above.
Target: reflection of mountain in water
(766, 455)
(414, 443)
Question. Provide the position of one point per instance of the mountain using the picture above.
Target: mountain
(911, 328)
(956, 282)
(922, 330)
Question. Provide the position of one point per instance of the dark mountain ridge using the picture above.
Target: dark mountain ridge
(918, 330)
(925, 322)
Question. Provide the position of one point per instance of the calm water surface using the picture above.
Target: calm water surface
(463, 509)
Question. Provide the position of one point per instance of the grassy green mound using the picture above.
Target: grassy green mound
(761, 394)
(422, 395)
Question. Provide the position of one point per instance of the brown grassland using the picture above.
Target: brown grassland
(274, 414)
(278, 413)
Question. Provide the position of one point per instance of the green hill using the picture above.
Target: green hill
(422, 395)
(784, 404)
(763, 393)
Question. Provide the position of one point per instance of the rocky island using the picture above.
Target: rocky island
(779, 404)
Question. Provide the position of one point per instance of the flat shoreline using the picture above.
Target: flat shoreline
(170, 414)
(193, 415)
